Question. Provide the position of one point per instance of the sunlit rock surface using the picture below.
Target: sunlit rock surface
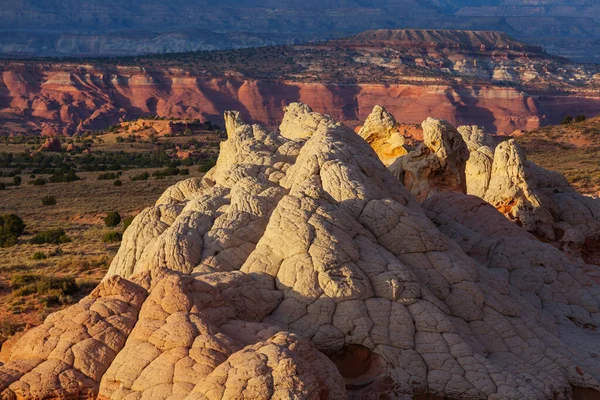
(300, 267)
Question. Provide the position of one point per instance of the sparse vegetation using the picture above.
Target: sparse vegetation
(11, 227)
(80, 208)
(39, 255)
(141, 177)
(118, 182)
(107, 176)
(50, 236)
(572, 149)
(48, 200)
(51, 290)
(206, 165)
(112, 237)
(112, 219)
(9, 328)
(38, 182)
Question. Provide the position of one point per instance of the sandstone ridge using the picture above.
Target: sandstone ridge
(300, 267)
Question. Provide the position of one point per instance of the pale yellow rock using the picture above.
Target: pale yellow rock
(301, 268)
(380, 131)
(300, 122)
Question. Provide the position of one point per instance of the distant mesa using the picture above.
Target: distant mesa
(483, 41)
(478, 78)
(301, 267)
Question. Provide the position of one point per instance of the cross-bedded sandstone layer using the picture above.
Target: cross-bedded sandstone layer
(300, 267)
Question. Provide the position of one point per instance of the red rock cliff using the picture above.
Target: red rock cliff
(83, 98)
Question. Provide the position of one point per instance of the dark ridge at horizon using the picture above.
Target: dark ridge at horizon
(113, 28)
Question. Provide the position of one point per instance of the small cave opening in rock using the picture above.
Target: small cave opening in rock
(591, 250)
(353, 361)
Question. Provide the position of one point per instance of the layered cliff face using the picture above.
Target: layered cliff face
(464, 77)
(84, 98)
(300, 267)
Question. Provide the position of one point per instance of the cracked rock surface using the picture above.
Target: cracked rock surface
(299, 267)
(469, 160)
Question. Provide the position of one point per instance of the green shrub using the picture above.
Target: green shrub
(118, 183)
(17, 181)
(24, 285)
(11, 227)
(68, 176)
(2, 186)
(39, 255)
(107, 176)
(51, 236)
(48, 200)
(184, 171)
(38, 182)
(112, 237)
(141, 177)
(112, 219)
(567, 120)
(206, 165)
(169, 171)
(580, 118)
(9, 328)
(127, 221)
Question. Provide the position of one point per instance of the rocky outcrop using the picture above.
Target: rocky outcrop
(51, 144)
(481, 157)
(437, 164)
(380, 130)
(301, 268)
(67, 98)
(532, 197)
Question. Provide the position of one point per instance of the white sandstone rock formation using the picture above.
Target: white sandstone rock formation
(540, 201)
(380, 130)
(437, 164)
(300, 268)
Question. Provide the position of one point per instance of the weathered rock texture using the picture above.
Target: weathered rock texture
(381, 132)
(301, 268)
(469, 160)
(437, 164)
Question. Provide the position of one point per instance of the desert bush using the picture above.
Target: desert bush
(68, 176)
(112, 237)
(38, 182)
(118, 183)
(50, 236)
(39, 255)
(2, 186)
(580, 118)
(11, 227)
(9, 328)
(169, 171)
(17, 180)
(53, 290)
(184, 171)
(206, 165)
(48, 200)
(112, 219)
(127, 221)
(567, 120)
(141, 177)
(107, 176)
